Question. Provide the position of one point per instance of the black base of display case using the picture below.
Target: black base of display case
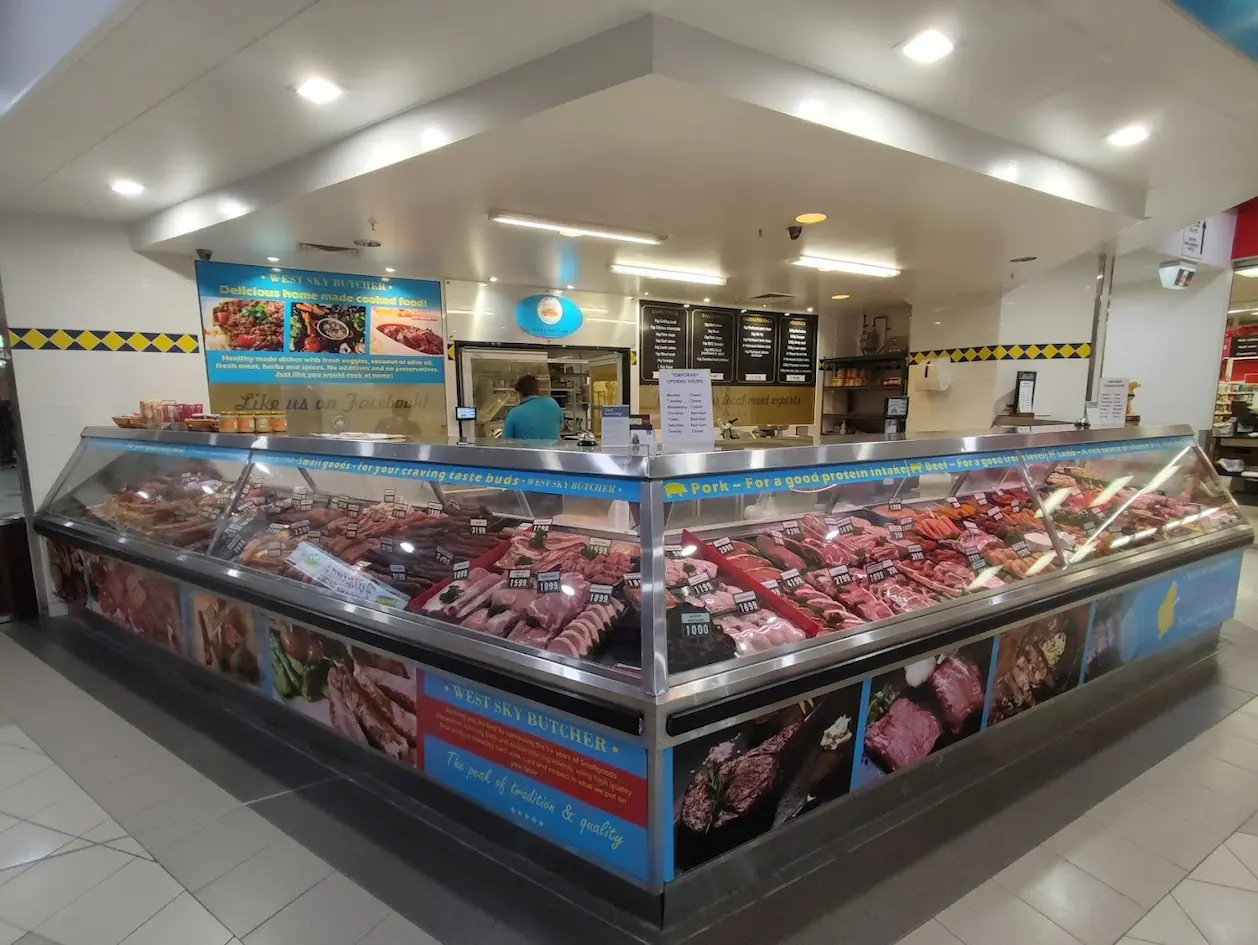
(782, 880)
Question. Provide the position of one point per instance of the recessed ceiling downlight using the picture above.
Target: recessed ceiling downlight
(807, 218)
(1129, 136)
(673, 275)
(319, 90)
(927, 47)
(840, 298)
(127, 188)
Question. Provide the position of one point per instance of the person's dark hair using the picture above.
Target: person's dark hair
(526, 386)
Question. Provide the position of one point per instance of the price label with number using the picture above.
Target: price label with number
(895, 531)
(518, 577)
(880, 572)
(723, 545)
(841, 575)
(916, 553)
(791, 529)
(351, 530)
(772, 585)
(208, 512)
(480, 526)
(548, 582)
(980, 498)
(436, 508)
(970, 526)
(672, 551)
(696, 624)
(541, 526)
(906, 522)
(844, 526)
(390, 495)
(386, 545)
(701, 584)
(444, 555)
(975, 558)
(353, 508)
(597, 546)
(954, 502)
(746, 602)
(600, 594)
(895, 505)
(398, 571)
(305, 504)
(462, 569)
(1089, 527)
(246, 508)
(777, 536)
(1015, 507)
(1021, 550)
(792, 579)
(236, 546)
(400, 510)
(995, 514)
(274, 528)
(633, 579)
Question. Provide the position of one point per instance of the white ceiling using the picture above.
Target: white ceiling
(189, 97)
(951, 230)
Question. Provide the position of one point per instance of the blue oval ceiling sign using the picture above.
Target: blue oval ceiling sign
(548, 316)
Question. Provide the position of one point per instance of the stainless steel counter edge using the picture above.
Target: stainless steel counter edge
(646, 464)
(688, 691)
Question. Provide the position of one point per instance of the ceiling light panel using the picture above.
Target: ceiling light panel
(1129, 136)
(127, 188)
(574, 230)
(673, 275)
(927, 47)
(1249, 272)
(320, 90)
(842, 265)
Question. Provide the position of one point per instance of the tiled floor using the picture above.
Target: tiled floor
(124, 821)
(106, 838)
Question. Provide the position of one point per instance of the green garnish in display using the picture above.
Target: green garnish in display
(449, 595)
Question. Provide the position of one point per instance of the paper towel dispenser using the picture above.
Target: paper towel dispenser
(933, 375)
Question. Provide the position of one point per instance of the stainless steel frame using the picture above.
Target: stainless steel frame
(657, 692)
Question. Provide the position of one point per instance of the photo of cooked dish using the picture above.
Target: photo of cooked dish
(328, 329)
(735, 785)
(1037, 661)
(366, 696)
(223, 638)
(922, 708)
(406, 331)
(243, 325)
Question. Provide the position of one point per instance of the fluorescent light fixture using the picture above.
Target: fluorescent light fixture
(574, 230)
(389, 269)
(433, 138)
(231, 207)
(493, 278)
(839, 265)
(273, 259)
(127, 188)
(1129, 136)
(1249, 272)
(1007, 170)
(568, 287)
(840, 298)
(674, 275)
(275, 268)
(319, 90)
(706, 301)
(927, 47)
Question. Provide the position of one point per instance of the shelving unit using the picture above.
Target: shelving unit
(849, 404)
(1228, 393)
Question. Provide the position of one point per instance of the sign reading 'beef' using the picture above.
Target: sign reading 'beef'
(757, 342)
(665, 341)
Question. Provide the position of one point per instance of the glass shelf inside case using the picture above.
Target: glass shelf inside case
(1105, 498)
(170, 494)
(774, 559)
(547, 563)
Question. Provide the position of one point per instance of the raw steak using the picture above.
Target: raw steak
(958, 689)
(904, 736)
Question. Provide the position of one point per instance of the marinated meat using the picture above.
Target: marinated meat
(418, 339)
(374, 720)
(959, 690)
(904, 736)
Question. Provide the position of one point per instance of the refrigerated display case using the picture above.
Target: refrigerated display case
(682, 653)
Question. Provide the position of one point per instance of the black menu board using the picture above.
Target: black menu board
(1244, 346)
(757, 343)
(665, 341)
(797, 350)
(712, 343)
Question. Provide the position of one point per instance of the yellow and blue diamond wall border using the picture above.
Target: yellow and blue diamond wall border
(1051, 351)
(87, 339)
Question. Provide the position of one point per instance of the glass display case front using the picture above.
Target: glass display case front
(757, 562)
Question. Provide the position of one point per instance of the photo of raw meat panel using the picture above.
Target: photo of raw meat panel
(138, 600)
(922, 708)
(732, 786)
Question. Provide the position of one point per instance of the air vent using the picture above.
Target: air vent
(324, 248)
(770, 297)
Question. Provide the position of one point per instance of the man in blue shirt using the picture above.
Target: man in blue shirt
(534, 417)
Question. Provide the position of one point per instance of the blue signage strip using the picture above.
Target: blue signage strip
(266, 325)
(212, 453)
(1179, 605)
(805, 480)
(552, 483)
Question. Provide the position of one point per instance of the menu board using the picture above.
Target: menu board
(712, 343)
(665, 340)
(757, 345)
(797, 350)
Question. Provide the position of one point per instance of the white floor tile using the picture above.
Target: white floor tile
(204, 856)
(41, 790)
(1131, 816)
(26, 843)
(1224, 916)
(75, 815)
(335, 911)
(50, 885)
(991, 915)
(1245, 847)
(103, 833)
(1077, 901)
(396, 930)
(18, 764)
(8, 934)
(1214, 773)
(185, 921)
(1227, 747)
(129, 845)
(248, 895)
(1167, 924)
(6, 822)
(114, 909)
(1222, 868)
(14, 736)
(1136, 872)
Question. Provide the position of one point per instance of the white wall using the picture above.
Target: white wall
(60, 273)
(1171, 342)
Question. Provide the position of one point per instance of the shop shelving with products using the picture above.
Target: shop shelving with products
(854, 388)
(1228, 393)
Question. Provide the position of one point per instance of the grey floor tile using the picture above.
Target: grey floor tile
(103, 833)
(130, 846)
(395, 930)
(331, 913)
(257, 889)
(1130, 816)
(1224, 916)
(204, 856)
(932, 933)
(184, 921)
(75, 815)
(14, 736)
(1133, 870)
(30, 938)
(52, 884)
(1222, 868)
(1167, 924)
(26, 843)
(111, 911)
(8, 934)
(991, 915)
(18, 764)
